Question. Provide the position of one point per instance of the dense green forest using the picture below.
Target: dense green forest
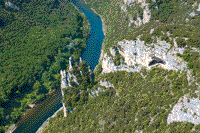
(142, 104)
(145, 98)
(36, 42)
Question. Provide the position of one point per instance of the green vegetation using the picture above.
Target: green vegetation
(118, 58)
(193, 59)
(181, 42)
(35, 45)
(78, 94)
(135, 10)
(142, 104)
(38, 39)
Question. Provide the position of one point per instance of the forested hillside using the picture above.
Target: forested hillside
(141, 101)
(36, 42)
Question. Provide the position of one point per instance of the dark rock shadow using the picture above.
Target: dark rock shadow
(156, 60)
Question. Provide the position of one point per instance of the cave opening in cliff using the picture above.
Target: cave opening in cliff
(156, 60)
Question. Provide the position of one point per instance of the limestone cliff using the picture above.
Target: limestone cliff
(138, 55)
(187, 109)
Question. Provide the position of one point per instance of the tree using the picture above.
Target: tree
(181, 42)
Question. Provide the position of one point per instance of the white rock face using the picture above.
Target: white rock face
(137, 22)
(70, 63)
(96, 92)
(106, 83)
(80, 60)
(146, 15)
(63, 79)
(198, 8)
(146, 12)
(138, 55)
(70, 78)
(11, 5)
(109, 66)
(63, 85)
(137, 52)
(151, 31)
(186, 111)
(123, 8)
(112, 51)
(192, 14)
(128, 2)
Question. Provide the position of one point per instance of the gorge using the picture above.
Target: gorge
(90, 56)
(148, 72)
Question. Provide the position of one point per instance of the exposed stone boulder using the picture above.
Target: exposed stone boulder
(11, 5)
(63, 79)
(187, 109)
(31, 105)
(105, 83)
(72, 78)
(112, 51)
(95, 92)
(71, 61)
(146, 14)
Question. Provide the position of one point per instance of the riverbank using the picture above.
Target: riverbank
(45, 124)
(47, 121)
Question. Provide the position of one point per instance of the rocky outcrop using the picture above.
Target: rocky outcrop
(31, 105)
(112, 51)
(63, 86)
(63, 79)
(106, 83)
(137, 52)
(11, 5)
(109, 66)
(137, 55)
(103, 84)
(71, 61)
(146, 14)
(187, 109)
(198, 10)
(96, 92)
(72, 78)
(67, 79)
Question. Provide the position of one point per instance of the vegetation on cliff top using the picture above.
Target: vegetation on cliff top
(142, 104)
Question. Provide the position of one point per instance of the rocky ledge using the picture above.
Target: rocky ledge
(137, 54)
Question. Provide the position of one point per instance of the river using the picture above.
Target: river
(38, 115)
(93, 49)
